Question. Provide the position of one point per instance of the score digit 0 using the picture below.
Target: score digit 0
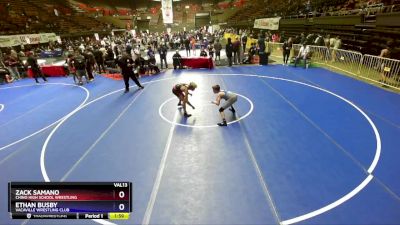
(121, 207)
(121, 194)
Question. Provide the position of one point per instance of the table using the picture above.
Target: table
(51, 54)
(50, 71)
(198, 62)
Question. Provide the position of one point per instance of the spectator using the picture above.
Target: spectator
(236, 51)
(128, 49)
(69, 63)
(110, 54)
(286, 48)
(244, 41)
(275, 37)
(116, 50)
(218, 48)
(177, 60)
(162, 50)
(205, 43)
(332, 41)
(193, 44)
(251, 53)
(303, 54)
(327, 41)
(187, 47)
(302, 38)
(319, 40)
(211, 50)
(80, 66)
(151, 63)
(12, 63)
(337, 45)
(151, 55)
(261, 44)
(385, 53)
(4, 74)
(139, 64)
(98, 55)
(229, 51)
(203, 52)
(90, 63)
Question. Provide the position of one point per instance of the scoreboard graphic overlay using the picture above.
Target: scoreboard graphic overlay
(70, 200)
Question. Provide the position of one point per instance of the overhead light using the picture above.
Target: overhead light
(186, 7)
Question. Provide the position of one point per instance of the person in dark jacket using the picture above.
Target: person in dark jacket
(211, 50)
(286, 48)
(116, 50)
(98, 55)
(251, 53)
(33, 63)
(229, 51)
(126, 64)
(217, 48)
(187, 46)
(176, 59)
(128, 49)
(110, 54)
(244, 42)
(80, 65)
(261, 43)
(140, 65)
(203, 52)
(236, 51)
(162, 50)
(90, 62)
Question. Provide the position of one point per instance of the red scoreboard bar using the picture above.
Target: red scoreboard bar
(70, 200)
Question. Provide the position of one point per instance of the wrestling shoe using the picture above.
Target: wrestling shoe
(223, 124)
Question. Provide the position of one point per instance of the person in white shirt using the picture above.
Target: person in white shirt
(303, 54)
(336, 45)
(332, 41)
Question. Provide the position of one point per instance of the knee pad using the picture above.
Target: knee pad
(221, 109)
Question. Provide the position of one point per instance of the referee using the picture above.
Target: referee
(126, 64)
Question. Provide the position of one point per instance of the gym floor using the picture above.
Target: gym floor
(306, 146)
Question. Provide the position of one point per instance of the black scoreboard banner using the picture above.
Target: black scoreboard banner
(70, 200)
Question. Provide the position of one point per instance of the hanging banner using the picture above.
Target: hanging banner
(267, 23)
(25, 39)
(166, 7)
(15, 40)
(6, 41)
(51, 36)
(44, 38)
(30, 38)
